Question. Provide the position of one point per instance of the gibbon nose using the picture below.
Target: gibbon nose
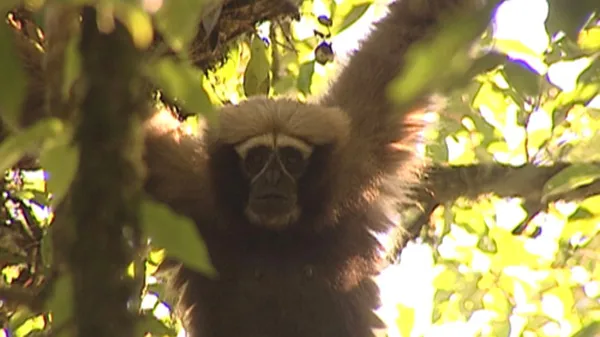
(273, 175)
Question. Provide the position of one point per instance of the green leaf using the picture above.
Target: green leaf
(257, 79)
(406, 319)
(589, 39)
(72, 65)
(590, 330)
(522, 78)
(437, 151)
(582, 94)
(501, 329)
(571, 178)
(31, 327)
(446, 279)
(487, 244)
(178, 21)
(585, 150)
(138, 22)
(12, 80)
(497, 301)
(60, 303)
(506, 46)
(60, 163)
(17, 145)
(591, 73)
(41, 198)
(305, 75)
(18, 320)
(592, 204)
(150, 324)
(351, 17)
(512, 251)
(184, 84)
(284, 84)
(46, 250)
(486, 63)
(471, 218)
(177, 234)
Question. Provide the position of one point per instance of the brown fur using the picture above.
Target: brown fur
(256, 116)
(313, 279)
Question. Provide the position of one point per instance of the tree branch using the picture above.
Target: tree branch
(448, 183)
(445, 184)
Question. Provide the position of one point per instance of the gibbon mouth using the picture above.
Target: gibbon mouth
(272, 197)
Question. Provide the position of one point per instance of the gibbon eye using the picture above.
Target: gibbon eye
(292, 159)
(256, 158)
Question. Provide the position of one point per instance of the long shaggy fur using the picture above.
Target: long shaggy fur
(257, 116)
(313, 279)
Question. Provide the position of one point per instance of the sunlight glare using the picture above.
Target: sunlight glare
(564, 74)
(580, 275)
(509, 213)
(592, 289)
(523, 21)
(161, 311)
(149, 301)
(152, 6)
(415, 292)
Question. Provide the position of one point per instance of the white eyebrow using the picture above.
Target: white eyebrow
(267, 139)
(274, 141)
(302, 146)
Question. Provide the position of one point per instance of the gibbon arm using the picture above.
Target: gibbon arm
(361, 91)
(176, 164)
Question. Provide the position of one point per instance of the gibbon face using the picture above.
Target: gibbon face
(268, 159)
(272, 165)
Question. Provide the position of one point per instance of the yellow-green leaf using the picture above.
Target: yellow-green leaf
(589, 39)
(257, 79)
(60, 163)
(178, 21)
(72, 65)
(12, 78)
(305, 75)
(571, 178)
(351, 17)
(138, 22)
(590, 330)
(60, 303)
(184, 84)
(177, 234)
(17, 145)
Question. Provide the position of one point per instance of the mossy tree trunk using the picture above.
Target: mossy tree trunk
(107, 190)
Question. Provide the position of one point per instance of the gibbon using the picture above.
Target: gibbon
(288, 196)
